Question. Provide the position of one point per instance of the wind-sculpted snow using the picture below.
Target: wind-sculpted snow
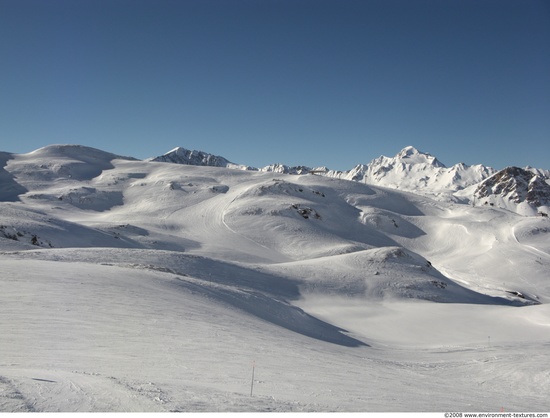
(305, 221)
(113, 338)
(255, 292)
(133, 285)
(378, 274)
(276, 312)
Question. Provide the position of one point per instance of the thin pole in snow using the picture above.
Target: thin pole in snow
(252, 382)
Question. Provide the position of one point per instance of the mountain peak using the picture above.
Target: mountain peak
(180, 155)
(514, 185)
(412, 156)
(408, 151)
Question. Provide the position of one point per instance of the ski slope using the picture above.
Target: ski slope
(147, 286)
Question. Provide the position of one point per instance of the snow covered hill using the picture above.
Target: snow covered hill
(153, 286)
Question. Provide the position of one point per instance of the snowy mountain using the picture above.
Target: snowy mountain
(520, 190)
(418, 172)
(285, 169)
(409, 170)
(181, 155)
(133, 285)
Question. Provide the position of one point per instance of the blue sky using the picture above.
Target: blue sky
(314, 82)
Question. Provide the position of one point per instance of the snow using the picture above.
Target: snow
(418, 172)
(147, 286)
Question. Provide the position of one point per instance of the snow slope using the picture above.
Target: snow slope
(147, 286)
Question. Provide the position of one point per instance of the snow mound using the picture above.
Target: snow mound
(381, 274)
(300, 220)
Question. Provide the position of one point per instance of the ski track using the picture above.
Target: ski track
(223, 213)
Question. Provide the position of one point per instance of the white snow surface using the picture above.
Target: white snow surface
(147, 286)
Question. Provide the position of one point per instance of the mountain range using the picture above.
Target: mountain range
(527, 190)
(187, 283)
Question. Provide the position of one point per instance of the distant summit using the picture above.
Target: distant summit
(411, 155)
(184, 156)
(416, 171)
(285, 169)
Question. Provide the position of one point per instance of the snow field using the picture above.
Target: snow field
(105, 338)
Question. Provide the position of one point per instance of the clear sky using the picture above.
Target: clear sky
(313, 82)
